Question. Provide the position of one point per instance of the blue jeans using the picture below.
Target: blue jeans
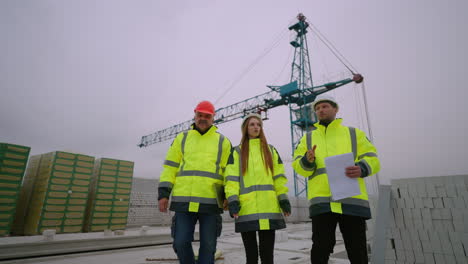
(183, 227)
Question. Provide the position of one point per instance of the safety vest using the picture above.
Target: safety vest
(194, 171)
(335, 139)
(258, 191)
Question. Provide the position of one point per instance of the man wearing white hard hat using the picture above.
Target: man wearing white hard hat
(328, 137)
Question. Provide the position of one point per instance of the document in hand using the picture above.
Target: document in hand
(341, 186)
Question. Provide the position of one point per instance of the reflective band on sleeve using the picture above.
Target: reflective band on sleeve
(283, 197)
(278, 176)
(165, 185)
(233, 198)
(171, 163)
(304, 166)
(369, 169)
(232, 178)
(318, 172)
(368, 154)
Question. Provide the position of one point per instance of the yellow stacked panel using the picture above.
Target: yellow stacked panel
(60, 192)
(109, 197)
(13, 159)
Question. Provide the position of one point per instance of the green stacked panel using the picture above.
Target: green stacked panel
(13, 159)
(60, 192)
(109, 195)
(25, 194)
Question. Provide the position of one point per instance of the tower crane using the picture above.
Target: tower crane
(297, 95)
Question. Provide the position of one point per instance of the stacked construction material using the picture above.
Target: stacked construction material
(58, 183)
(13, 159)
(109, 195)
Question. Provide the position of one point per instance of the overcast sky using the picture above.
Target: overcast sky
(92, 77)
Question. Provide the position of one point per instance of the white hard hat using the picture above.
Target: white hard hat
(324, 98)
(251, 115)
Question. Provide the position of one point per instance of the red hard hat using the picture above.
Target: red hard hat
(205, 107)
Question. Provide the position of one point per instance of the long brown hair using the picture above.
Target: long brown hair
(266, 154)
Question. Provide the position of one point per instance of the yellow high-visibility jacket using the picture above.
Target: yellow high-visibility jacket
(335, 139)
(194, 171)
(258, 191)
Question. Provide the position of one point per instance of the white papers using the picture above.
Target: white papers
(341, 186)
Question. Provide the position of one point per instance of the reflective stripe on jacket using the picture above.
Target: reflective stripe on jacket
(335, 139)
(194, 171)
(258, 191)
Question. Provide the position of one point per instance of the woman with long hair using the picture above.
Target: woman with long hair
(256, 191)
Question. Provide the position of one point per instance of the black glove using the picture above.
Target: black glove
(285, 206)
(234, 208)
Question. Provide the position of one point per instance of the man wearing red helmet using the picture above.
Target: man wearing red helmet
(193, 175)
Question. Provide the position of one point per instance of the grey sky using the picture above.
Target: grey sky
(94, 76)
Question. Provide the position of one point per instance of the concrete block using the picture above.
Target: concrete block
(421, 190)
(395, 192)
(393, 203)
(459, 226)
(435, 242)
(451, 190)
(448, 202)
(418, 258)
(417, 247)
(465, 198)
(431, 190)
(436, 214)
(418, 203)
(459, 203)
(409, 203)
(412, 190)
(400, 254)
(418, 223)
(416, 214)
(400, 203)
(390, 254)
(439, 258)
(449, 259)
(461, 190)
(461, 259)
(409, 256)
(457, 214)
(427, 202)
(48, 234)
(427, 246)
(396, 233)
(398, 244)
(446, 213)
(429, 258)
(423, 236)
(438, 202)
(407, 242)
(403, 192)
(446, 243)
(281, 236)
(398, 213)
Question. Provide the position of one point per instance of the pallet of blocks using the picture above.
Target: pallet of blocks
(109, 195)
(59, 191)
(13, 159)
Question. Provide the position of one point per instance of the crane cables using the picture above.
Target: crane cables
(276, 41)
(333, 49)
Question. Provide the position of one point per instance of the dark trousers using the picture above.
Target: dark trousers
(353, 229)
(266, 246)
